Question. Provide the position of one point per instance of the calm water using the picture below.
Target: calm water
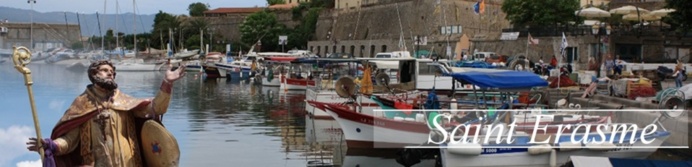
(216, 122)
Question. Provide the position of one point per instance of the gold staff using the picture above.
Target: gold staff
(21, 57)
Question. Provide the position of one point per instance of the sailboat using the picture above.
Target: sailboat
(131, 62)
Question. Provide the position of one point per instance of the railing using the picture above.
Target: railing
(551, 31)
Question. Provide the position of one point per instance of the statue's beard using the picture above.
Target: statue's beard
(105, 84)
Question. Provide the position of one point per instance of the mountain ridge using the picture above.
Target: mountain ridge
(88, 22)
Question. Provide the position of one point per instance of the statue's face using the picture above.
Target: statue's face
(105, 77)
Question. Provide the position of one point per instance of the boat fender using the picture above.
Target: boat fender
(397, 118)
(410, 119)
(605, 146)
(270, 75)
(553, 158)
(540, 149)
(453, 106)
(569, 146)
(465, 148)
(420, 117)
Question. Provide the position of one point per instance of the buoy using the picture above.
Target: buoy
(540, 149)
(569, 146)
(464, 148)
(453, 106)
(420, 117)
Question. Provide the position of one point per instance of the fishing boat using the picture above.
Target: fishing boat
(210, 67)
(399, 128)
(528, 149)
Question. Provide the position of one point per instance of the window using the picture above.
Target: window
(383, 56)
(384, 48)
(425, 69)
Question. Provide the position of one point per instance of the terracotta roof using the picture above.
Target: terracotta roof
(283, 6)
(233, 10)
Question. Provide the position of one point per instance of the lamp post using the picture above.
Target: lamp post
(596, 30)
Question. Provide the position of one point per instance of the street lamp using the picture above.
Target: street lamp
(596, 30)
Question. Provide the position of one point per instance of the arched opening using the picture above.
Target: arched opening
(334, 49)
(372, 51)
(326, 50)
(343, 49)
(384, 48)
(362, 48)
(353, 50)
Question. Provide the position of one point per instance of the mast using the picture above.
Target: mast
(79, 24)
(67, 28)
(100, 32)
(117, 40)
(134, 19)
(31, 31)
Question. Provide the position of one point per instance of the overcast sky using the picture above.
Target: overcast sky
(126, 6)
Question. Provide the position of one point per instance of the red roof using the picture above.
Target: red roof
(233, 10)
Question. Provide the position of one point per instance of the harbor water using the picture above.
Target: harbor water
(216, 122)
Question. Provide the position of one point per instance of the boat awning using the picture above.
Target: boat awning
(501, 79)
(281, 59)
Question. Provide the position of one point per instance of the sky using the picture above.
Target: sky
(176, 7)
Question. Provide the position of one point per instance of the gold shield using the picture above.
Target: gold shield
(160, 146)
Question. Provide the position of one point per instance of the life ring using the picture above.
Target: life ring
(382, 79)
(518, 63)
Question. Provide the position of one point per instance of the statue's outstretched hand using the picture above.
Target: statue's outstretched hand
(173, 75)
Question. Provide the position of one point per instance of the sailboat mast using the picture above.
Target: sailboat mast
(100, 32)
(79, 24)
(67, 28)
(117, 40)
(134, 19)
(31, 31)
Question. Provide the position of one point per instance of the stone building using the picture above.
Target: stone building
(225, 22)
(392, 25)
(45, 35)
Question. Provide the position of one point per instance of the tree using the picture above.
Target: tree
(197, 8)
(261, 26)
(680, 19)
(523, 13)
(162, 23)
(274, 2)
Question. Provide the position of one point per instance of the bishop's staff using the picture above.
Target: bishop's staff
(21, 56)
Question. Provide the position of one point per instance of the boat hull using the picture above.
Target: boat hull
(520, 157)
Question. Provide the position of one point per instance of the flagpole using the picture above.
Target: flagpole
(528, 42)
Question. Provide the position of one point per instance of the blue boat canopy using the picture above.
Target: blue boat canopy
(501, 79)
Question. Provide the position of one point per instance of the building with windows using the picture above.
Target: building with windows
(44, 36)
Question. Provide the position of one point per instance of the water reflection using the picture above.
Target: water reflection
(217, 122)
